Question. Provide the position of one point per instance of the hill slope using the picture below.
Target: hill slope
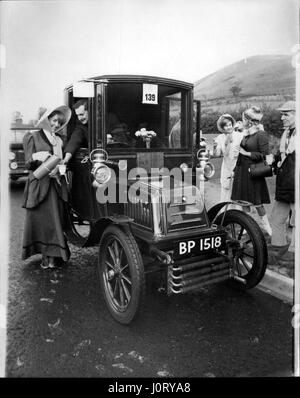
(257, 75)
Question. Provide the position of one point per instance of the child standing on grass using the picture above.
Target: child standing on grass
(227, 144)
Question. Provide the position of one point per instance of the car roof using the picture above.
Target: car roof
(137, 79)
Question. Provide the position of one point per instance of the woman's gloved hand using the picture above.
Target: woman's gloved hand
(54, 173)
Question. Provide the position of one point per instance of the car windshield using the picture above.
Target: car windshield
(148, 116)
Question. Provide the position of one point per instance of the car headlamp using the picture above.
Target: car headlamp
(102, 174)
(209, 170)
(13, 165)
(11, 156)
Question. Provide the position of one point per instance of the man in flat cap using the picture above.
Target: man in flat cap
(284, 205)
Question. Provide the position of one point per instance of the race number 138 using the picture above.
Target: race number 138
(149, 93)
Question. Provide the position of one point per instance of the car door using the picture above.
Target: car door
(82, 196)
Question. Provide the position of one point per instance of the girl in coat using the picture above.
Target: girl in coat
(44, 198)
(254, 148)
(227, 144)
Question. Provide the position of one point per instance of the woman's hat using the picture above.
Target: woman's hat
(44, 123)
(220, 120)
(253, 113)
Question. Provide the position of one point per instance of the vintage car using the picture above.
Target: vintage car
(16, 153)
(138, 193)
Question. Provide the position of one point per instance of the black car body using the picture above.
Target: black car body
(16, 157)
(141, 224)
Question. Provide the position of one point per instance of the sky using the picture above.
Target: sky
(51, 44)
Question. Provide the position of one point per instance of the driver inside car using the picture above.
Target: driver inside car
(120, 135)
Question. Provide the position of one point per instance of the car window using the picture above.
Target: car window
(137, 118)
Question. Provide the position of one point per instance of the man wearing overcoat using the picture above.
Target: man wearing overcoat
(283, 211)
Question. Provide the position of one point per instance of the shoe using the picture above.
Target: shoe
(275, 253)
(273, 258)
(51, 262)
(287, 258)
(280, 250)
(45, 263)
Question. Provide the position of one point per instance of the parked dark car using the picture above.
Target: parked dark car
(16, 153)
(147, 226)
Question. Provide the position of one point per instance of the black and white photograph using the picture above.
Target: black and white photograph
(149, 186)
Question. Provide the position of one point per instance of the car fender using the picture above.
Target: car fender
(214, 211)
(101, 224)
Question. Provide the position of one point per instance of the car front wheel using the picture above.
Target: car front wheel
(246, 247)
(121, 274)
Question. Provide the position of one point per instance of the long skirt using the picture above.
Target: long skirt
(253, 190)
(43, 231)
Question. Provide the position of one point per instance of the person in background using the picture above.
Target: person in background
(284, 205)
(175, 135)
(44, 198)
(121, 135)
(227, 144)
(254, 148)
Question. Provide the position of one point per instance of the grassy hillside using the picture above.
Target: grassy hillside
(265, 81)
(261, 75)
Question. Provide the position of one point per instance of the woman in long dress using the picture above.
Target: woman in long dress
(227, 144)
(45, 198)
(254, 148)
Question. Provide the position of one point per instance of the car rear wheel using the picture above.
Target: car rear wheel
(247, 248)
(121, 272)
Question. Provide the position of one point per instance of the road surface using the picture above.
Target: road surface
(58, 325)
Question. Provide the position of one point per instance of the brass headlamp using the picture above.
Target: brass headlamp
(207, 169)
(100, 171)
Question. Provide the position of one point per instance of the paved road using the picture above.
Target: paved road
(58, 325)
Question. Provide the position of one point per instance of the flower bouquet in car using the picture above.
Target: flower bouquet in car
(145, 135)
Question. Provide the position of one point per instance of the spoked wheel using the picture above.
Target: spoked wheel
(247, 248)
(121, 274)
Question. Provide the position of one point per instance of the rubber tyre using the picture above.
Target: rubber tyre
(260, 252)
(134, 272)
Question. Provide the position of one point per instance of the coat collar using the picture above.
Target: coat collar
(254, 129)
